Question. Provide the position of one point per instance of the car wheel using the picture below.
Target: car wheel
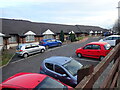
(47, 47)
(59, 44)
(79, 55)
(42, 50)
(101, 57)
(25, 55)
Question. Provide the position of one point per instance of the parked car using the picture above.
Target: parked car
(50, 43)
(110, 39)
(25, 50)
(62, 68)
(94, 50)
(32, 81)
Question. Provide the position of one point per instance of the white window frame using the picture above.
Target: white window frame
(30, 38)
(13, 39)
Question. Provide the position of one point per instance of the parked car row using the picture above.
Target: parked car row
(25, 50)
(98, 49)
(56, 71)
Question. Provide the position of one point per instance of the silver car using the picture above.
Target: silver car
(61, 68)
(25, 50)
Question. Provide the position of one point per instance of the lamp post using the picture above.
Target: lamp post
(118, 17)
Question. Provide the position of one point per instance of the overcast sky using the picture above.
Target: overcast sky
(101, 13)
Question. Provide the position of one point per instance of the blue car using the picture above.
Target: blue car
(50, 43)
(62, 68)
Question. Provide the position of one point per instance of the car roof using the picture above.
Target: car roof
(60, 60)
(26, 44)
(25, 80)
(47, 39)
(114, 36)
(98, 43)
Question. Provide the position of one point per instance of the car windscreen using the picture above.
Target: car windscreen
(18, 47)
(107, 46)
(73, 66)
(49, 84)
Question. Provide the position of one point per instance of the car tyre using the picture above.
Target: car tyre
(101, 57)
(25, 55)
(79, 55)
(42, 50)
(59, 44)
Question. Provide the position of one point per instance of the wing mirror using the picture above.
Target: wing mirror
(64, 75)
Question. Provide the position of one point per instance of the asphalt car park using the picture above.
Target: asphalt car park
(32, 63)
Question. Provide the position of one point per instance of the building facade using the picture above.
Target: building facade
(22, 31)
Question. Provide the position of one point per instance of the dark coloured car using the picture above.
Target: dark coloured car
(62, 68)
(32, 81)
(50, 43)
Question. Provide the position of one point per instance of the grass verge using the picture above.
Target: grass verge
(5, 57)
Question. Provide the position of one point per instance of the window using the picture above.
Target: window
(49, 66)
(88, 47)
(50, 84)
(13, 39)
(30, 38)
(33, 45)
(48, 40)
(115, 38)
(109, 38)
(53, 40)
(58, 69)
(28, 47)
(97, 47)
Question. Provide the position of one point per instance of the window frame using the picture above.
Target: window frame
(49, 68)
(30, 38)
(13, 39)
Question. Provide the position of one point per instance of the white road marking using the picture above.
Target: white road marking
(87, 60)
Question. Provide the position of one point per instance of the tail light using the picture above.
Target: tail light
(20, 50)
(40, 68)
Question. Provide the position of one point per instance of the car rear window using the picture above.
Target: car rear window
(18, 47)
(50, 84)
(107, 46)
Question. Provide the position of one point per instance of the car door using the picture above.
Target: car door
(35, 48)
(61, 74)
(95, 51)
(28, 49)
(49, 43)
(54, 42)
(87, 50)
(49, 70)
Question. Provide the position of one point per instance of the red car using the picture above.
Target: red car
(94, 50)
(31, 81)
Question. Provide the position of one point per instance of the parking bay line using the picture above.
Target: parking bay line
(81, 59)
